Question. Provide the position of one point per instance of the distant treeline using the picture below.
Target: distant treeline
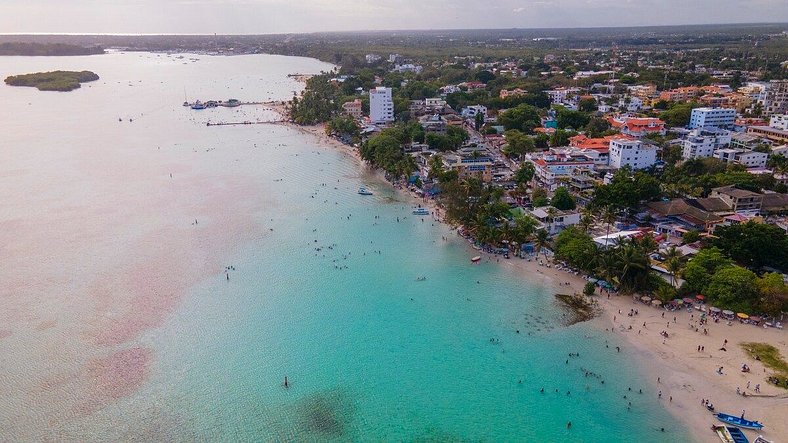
(44, 49)
(53, 81)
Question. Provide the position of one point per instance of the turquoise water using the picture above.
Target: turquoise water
(371, 354)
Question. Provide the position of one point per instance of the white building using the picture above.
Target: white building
(471, 111)
(560, 95)
(408, 67)
(749, 159)
(701, 143)
(381, 107)
(434, 104)
(779, 121)
(554, 220)
(717, 117)
(632, 153)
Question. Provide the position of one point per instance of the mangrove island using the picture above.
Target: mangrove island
(53, 81)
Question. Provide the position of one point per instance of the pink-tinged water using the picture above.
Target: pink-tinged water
(97, 219)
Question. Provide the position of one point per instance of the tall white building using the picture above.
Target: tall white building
(381, 107)
(779, 121)
(717, 117)
(632, 153)
(776, 97)
(702, 143)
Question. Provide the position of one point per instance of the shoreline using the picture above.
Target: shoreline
(685, 375)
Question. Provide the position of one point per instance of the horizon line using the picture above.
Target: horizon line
(166, 34)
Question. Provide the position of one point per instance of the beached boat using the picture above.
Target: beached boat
(729, 434)
(760, 439)
(421, 211)
(198, 105)
(364, 191)
(476, 259)
(738, 421)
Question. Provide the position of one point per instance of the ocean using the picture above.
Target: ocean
(162, 278)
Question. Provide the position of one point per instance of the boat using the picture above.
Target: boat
(421, 211)
(476, 259)
(760, 439)
(364, 191)
(198, 105)
(738, 421)
(729, 434)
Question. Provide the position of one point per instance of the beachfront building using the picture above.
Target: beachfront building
(467, 166)
(702, 142)
(632, 153)
(381, 106)
(716, 117)
(353, 109)
(554, 220)
(552, 169)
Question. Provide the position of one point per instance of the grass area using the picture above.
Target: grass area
(771, 358)
(53, 81)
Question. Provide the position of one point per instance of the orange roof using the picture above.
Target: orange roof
(600, 144)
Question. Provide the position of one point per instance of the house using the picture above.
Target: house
(381, 106)
(471, 111)
(353, 109)
(408, 67)
(679, 94)
(684, 212)
(554, 220)
(561, 95)
(434, 104)
(638, 126)
(433, 123)
(716, 117)
(779, 121)
(632, 153)
(511, 93)
(738, 200)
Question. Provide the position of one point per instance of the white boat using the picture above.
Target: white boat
(476, 259)
(364, 191)
(421, 211)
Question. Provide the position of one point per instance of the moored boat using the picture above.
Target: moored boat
(729, 434)
(198, 105)
(738, 421)
(760, 439)
(421, 211)
(476, 259)
(364, 191)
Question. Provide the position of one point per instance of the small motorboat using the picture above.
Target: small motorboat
(421, 211)
(738, 421)
(729, 434)
(476, 259)
(760, 439)
(364, 191)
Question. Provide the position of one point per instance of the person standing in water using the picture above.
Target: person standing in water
(287, 384)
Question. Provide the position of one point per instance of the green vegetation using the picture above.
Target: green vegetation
(384, 151)
(562, 199)
(754, 245)
(46, 49)
(53, 81)
(317, 104)
(627, 190)
(771, 358)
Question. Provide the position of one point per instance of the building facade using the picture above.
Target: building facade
(712, 117)
(381, 106)
(632, 153)
(701, 143)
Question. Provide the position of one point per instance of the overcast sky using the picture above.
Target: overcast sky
(281, 16)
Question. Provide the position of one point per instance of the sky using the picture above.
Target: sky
(297, 16)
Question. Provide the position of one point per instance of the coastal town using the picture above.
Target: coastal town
(442, 235)
(671, 195)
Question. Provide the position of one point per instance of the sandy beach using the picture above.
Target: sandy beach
(685, 375)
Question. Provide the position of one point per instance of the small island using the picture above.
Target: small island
(53, 81)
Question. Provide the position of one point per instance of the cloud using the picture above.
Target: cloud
(518, 10)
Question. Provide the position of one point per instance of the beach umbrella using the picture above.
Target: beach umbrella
(646, 298)
(755, 319)
(727, 312)
(700, 297)
(742, 316)
(688, 300)
(656, 302)
(713, 309)
(678, 301)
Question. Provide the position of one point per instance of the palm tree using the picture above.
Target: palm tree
(586, 220)
(542, 241)
(632, 264)
(674, 263)
(609, 217)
